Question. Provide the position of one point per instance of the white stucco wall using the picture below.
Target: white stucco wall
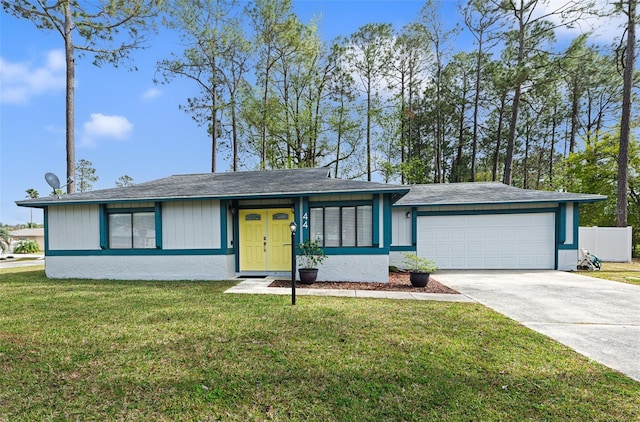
(369, 268)
(165, 267)
(567, 259)
(397, 259)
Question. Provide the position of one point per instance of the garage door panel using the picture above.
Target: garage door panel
(491, 241)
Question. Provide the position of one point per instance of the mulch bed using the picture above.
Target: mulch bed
(398, 282)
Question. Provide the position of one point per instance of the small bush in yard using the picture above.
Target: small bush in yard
(26, 246)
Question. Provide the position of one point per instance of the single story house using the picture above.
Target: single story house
(35, 234)
(216, 226)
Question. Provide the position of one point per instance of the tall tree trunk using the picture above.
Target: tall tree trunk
(511, 140)
(70, 95)
(625, 120)
(575, 100)
(476, 107)
(554, 124)
(496, 153)
(234, 130)
(214, 131)
(369, 129)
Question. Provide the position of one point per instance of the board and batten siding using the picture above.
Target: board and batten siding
(191, 225)
(401, 227)
(73, 227)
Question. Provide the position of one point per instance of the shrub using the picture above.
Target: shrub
(26, 246)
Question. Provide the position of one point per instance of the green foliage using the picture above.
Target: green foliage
(124, 181)
(85, 175)
(594, 170)
(418, 264)
(167, 350)
(26, 246)
(310, 253)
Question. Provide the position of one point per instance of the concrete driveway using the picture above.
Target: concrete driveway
(597, 318)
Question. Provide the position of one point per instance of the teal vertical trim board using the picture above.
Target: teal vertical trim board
(46, 230)
(414, 226)
(296, 217)
(576, 225)
(236, 234)
(387, 221)
(224, 209)
(562, 224)
(158, 215)
(104, 229)
(304, 231)
(376, 220)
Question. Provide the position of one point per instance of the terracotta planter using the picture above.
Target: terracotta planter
(308, 275)
(418, 279)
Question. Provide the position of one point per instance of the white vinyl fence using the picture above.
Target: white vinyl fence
(611, 244)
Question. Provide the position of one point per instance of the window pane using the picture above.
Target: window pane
(349, 226)
(120, 231)
(332, 226)
(316, 225)
(144, 230)
(365, 225)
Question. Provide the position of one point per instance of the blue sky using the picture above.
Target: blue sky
(124, 123)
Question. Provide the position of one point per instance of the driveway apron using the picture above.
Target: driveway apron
(597, 318)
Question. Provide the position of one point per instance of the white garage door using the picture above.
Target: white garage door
(491, 241)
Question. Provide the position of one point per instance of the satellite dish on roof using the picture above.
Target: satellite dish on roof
(52, 180)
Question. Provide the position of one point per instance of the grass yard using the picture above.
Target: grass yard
(625, 272)
(136, 350)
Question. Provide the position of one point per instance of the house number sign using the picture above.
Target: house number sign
(305, 220)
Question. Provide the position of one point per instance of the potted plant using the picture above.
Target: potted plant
(419, 269)
(310, 255)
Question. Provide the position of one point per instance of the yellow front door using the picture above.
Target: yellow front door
(265, 239)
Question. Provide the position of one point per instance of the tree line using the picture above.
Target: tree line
(406, 105)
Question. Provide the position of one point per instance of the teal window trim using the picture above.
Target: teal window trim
(345, 203)
(104, 234)
(387, 221)
(403, 248)
(46, 230)
(140, 252)
(376, 221)
(158, 210)
(375, 218)
(356, 251)
(104, 225)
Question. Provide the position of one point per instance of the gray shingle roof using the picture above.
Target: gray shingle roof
(478, 193)
(251, 184)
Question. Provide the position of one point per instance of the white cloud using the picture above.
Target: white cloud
(604, 29)
(105, 127)
(21, 81)
(151, 93)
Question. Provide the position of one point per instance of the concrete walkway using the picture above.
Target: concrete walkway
(597, 318)
(261, 286)
(20, 260)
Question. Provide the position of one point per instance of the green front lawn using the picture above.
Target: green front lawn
(135, 350)
(626, 272)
